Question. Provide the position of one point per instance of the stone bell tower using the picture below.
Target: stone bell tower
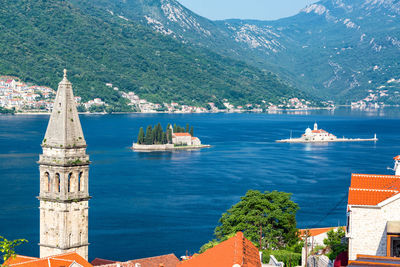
(64, 172)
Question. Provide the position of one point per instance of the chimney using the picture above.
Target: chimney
(396, 165)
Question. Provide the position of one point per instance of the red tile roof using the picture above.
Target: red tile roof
(317, 231)
(169, 260)
(370, 189)
(236, 250)
(181, 134)
(319, 131)
(397, 157)
(62, 260)
(98, 261)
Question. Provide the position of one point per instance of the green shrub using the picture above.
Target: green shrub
(287, 257)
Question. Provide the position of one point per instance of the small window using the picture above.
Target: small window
(80, 181)
(58, 182)
(69, 182)
(47, 181)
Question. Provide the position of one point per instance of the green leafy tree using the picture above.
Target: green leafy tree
(148, 138)
(271, 215)
(187, 128)
(191, 131)
(334, 242)
(140, 139)
(81, 108)
(175, 128)
(7, 247)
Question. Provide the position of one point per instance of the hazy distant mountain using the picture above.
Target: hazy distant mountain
(334, 48)
(99, 45)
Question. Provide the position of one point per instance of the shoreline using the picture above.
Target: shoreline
(179, 112)
(298, 140)
(167, 147)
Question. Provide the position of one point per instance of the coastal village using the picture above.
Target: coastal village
(24, 97)
(372, 232)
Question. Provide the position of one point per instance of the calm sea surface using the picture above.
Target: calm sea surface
(147, 204)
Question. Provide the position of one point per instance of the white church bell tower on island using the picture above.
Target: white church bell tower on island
(64, 180)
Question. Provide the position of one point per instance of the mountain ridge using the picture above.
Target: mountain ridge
(330, 48)
(40, 38)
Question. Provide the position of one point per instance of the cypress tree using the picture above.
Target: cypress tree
(147, 139)
(175, 128)
(187, 128)
(191, 131)
(154, 135)
(140, 139)
(169, 136)
(164, 138)
(160, 133)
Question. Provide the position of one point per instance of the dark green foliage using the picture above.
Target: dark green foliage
(7, 111)
(289, 258)
(187, 128)
(148, 138)
(157, 136)
(169, 136)
(274, 212)
(334, 242)
(191, 131)
(40, 38)
(81, 108)
(95, 108)
(140, 139)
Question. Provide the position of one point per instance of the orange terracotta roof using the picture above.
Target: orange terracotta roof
(62, 260)
(169, 260)
(371, 181)
(236, 250)
(319, 131)
(181, 134)
(369, 189)
(369, 196)
(317, 231)
(397, 157)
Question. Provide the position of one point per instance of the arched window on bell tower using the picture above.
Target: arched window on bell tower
(69, 182)
(47, 182)
(80, 181)
(58, 183)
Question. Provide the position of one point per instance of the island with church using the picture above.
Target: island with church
(174, 138)
(321, 136)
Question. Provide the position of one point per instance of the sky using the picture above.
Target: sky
(246, 9)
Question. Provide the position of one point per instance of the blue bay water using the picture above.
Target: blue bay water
(147, 204)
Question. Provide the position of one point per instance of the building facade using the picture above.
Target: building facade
(64, 180)
(373, 217)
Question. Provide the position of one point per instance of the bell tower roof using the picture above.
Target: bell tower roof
(64, 129)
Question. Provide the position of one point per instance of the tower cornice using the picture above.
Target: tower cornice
(71, 200)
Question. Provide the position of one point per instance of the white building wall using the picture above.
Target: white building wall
(367, 229)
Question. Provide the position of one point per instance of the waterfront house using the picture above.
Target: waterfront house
(373, 217)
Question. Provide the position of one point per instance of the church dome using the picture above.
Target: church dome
(308, 131)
